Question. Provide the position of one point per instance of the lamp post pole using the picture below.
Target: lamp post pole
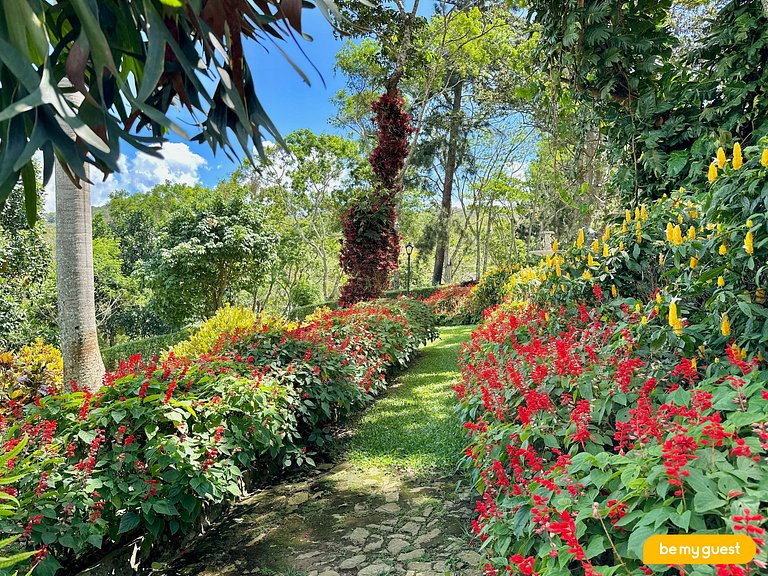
(408, 250)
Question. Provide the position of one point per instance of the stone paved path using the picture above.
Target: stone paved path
(342, 520)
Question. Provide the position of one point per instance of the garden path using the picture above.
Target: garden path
(392, 504)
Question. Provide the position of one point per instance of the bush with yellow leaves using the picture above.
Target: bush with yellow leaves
(35, 370)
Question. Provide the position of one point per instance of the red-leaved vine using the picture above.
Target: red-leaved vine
(371, 242)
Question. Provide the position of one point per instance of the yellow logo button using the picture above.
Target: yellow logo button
(698, 549)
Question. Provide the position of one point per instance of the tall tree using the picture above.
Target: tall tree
(79, 337)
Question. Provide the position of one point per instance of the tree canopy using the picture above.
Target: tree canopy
(131, 61)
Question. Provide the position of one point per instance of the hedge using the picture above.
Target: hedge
(159, 441)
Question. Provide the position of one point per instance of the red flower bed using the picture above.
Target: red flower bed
(81, 471)
(583, 441)
(453, 305)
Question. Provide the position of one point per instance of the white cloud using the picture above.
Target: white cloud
(141, 172)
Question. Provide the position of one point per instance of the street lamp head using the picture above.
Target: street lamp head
(408, 248)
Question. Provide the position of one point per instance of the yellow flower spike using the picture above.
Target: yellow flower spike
(750, 223)
(621, 246)
(639, 237)
(643, 212)
(720, 281)
(590, 260)
(764, 157)
(627, 215)
(694, 261)
(607, 233)
(672, 314)
(679, 327)
(656, 308)
(721, 159)
(725, 326)
(738, 159)
(557, 269)
(691, 233)
(644, 320)
(562, 288)
(568, 275)
(637, 213)
(661, 259)
(555, 245)
(693, 213)
(749, 241)
(679, 218)
(712, 173)
(658, 298)
(595, 246)
(670, 231)
(605, 251)
(546, 316)
(638, 226)
(587, 275)
(580, 239)
(693, 364)
(677, 235)
(723, 250)
(638, 307)
(614, 292)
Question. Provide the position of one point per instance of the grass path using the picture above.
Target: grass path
(389, 504)
(414, 426)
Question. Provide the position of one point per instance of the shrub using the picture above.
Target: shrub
(304, 293)
(225, 322)
(159, 441)
(146, 347)
(453, 305)
(583, 442)
(36, 369)
(490, 290)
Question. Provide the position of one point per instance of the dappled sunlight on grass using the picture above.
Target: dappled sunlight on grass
(414, 426)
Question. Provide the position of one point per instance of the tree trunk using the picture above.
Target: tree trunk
(75, 284)
(450, 171)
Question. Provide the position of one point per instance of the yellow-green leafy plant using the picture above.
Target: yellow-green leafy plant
(35, 370)
(227, 321)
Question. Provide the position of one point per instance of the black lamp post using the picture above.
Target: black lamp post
(408, 250)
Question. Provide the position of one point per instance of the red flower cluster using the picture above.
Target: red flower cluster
(567, 415)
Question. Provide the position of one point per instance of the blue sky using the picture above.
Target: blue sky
(288, 100)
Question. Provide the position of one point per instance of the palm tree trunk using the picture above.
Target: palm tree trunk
(74, 281)
(74, 284)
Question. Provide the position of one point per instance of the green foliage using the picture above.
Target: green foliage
(27, 292)
(490, 290)
(304, 293)
(146, 347)
(205, 252)
(663, 113)
(690, 249)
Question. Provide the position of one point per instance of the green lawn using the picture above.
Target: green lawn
(414, 426)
